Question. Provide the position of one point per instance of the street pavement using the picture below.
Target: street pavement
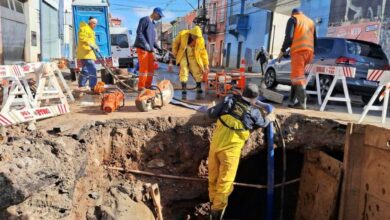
(333, 110)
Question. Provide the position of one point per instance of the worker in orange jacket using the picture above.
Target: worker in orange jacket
(300, 38)
(145, 42)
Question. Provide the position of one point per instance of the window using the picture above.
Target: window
(231, 7)
(19, 7)
(33, 38)
(222, 12)
(365, 49)
(4, 3)
(213, 18)
(324, 46)
(11, 3)
(119, 40)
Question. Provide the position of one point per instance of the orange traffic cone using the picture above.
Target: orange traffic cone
(170, 66)
(242, 81)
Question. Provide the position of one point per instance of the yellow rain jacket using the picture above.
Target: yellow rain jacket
(228, 139)
(86, 37)
(180, 44)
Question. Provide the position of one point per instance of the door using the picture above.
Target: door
(212, 53)
(239, 49)
(120, 46)
(82, 13)
(220, 61)
(50, 33)
(229, 45)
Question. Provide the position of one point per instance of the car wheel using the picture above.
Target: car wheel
(325, 82)
(270, 79)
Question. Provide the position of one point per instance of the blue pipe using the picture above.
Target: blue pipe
(270, 161)
(270, 171)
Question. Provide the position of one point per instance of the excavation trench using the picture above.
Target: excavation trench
(86, 189)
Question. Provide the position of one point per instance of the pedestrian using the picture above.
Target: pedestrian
(300, 38)
(263, 57)
(145, 43)
(236, 117)
(191, 54)
(85, 53)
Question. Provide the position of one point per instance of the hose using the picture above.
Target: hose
(100, 57)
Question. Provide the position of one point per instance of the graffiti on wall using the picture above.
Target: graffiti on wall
(367, 20)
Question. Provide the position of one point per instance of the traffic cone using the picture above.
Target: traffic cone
(170, 66)
(242, 81)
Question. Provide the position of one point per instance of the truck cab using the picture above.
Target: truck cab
(121, 46)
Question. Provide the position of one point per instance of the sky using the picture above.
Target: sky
(130, 11)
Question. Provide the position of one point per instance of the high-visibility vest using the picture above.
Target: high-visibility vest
(303, 34)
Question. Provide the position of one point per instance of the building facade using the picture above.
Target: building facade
(247, 30)
(49, 33)
(216, 31)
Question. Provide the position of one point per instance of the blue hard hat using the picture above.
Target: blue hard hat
(295, 11)
(158, 10)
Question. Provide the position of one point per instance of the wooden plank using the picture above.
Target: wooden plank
(319, 187)
(366, 185)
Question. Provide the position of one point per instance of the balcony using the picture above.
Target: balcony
(238, 24)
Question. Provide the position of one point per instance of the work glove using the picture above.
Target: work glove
(280, 56)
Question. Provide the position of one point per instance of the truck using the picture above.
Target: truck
(82, 11)
(121, 46)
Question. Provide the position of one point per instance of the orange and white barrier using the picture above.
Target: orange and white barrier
(338, 73)
(383, 79)
(19, 105)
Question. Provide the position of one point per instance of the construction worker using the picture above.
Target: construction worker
(86, 55)
(235, 117)
(191, 54)
(145, 43)
(300, 38)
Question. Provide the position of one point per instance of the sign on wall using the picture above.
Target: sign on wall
(361, 19)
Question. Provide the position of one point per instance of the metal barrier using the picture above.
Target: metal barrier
(338, 73)
(19, 105)
(383, 77)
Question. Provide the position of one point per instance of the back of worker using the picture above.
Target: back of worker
(236, 117)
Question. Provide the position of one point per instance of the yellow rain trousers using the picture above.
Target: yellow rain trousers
(192, 67)
(224, 156)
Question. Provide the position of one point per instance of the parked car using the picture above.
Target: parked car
(341, 52)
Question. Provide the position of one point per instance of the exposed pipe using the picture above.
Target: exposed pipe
(270, 171)
(183, 178)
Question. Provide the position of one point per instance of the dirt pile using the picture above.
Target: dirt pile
(44, 175)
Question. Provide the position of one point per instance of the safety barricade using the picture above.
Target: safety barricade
(19, 105)
(48, 87)
(383, 79)
(338, 73)
(37, 69)
(16, 90)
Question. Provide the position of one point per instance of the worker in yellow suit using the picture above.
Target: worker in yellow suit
(86, 55)
(191, 54)
(236, 117)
